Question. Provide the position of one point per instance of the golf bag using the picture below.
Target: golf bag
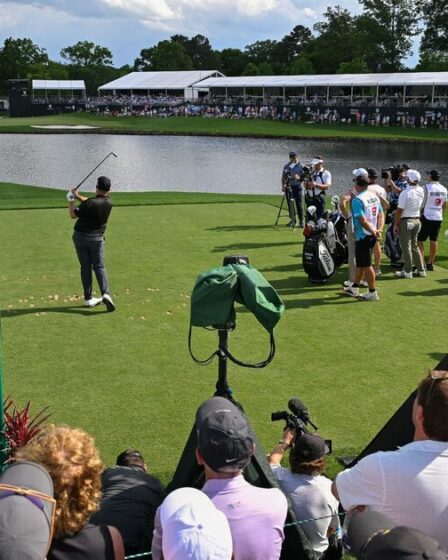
(392, 246)
(325, 246)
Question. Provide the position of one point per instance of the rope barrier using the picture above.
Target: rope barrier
(147, 554)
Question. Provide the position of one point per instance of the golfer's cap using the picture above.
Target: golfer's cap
(26, 512)
(316, 160)
(413, 175)
(224, 436)
(103, 183)
(292, 154)
(371, 172)
(434, 174)
(361, 172)
(309, 447)
(193, 527)
(363, 525)
(122, 459)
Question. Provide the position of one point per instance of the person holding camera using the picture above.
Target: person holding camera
(308, 489)
(395, 181)
(317, 186)
(292, 187)
(434, 203)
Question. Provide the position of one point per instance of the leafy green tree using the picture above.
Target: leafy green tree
(301, 66)
(261, 51)
(166, 55)
(50, 70)
(393, 23)
(200, 51)
(292, 45)
(233, 62)
(17, 57)
(86, 53)
(251, 70)
(435, 16)
(265, 69)
(431, 61)
(354, 66)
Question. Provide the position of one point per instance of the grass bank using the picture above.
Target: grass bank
(127, 377)
(221, 127)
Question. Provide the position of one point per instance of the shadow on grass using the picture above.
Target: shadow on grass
(428, 293)
(243, 246)
(437, 356)
(9, 313)
(244, 227)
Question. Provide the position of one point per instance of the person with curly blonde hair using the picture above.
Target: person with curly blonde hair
(74, 464)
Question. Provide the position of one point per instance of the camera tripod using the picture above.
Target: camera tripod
(290, 211)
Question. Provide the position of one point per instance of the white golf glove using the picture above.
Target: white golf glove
(70, 196)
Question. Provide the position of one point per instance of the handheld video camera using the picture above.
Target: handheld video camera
(393, 171)
(306, 174)
(297, 419)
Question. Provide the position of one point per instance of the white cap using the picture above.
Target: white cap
(413, 175)
(193, 528)
(361, 172)
(315, 161)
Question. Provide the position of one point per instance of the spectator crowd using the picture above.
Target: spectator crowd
(58, 502)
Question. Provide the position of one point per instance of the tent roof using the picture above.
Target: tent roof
(59, 84)
(392, 79)
(160, 80)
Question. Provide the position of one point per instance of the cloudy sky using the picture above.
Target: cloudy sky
(127, 26)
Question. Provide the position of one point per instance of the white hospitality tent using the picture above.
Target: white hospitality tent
(408, 84)
(77, 88)
(186, 81)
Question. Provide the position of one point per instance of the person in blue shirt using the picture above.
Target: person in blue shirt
(368, 222)
(291, 182)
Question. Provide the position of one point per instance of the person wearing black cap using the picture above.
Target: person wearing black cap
(92, 216)
(307, 488)
(291, 180)
(225, 446)
(434, 203)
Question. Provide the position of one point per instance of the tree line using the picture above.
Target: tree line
(379, 39)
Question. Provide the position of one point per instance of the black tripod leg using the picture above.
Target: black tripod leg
(280, 209)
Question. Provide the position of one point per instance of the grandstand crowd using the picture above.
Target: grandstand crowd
(57, 500)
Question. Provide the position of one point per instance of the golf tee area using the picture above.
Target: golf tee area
(127, 377)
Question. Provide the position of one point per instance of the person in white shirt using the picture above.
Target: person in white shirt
(434, 203)
(407, 224)
(409, 485)
(372, 177)
(316, 188)
(306, 487)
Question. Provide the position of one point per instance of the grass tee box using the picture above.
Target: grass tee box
(127, 377)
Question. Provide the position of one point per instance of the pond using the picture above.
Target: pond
(194, 163)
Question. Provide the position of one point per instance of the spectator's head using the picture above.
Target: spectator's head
(434, 175)
(373, 536)
(360, 172)
(361, 183)
(430, 414)
(317, 162)
(225, 441)
(372, 175)
(413, 176)
(26, 512)
(293, 156)
(193, 528)
(103, 184)
(73, 462)
(131, 458)
(307, 455)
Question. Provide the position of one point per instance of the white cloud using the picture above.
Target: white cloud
(145, 8)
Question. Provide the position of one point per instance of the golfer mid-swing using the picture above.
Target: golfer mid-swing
(91, 219)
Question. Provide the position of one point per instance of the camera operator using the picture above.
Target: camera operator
(309, 491)
(395, 181)
(318, 185)
(292, 187)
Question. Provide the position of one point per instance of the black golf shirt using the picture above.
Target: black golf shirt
(93, 214)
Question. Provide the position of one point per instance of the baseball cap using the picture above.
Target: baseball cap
(103, 183)
(224, 435)
(434, 174)
(374, 536)
(309, 447)
(292, 154)
(361, 172)
(193, 527)
(371, 172)
(413, 175)
(122, 459)
(27, 511)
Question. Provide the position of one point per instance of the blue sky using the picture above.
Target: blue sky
(127, 26)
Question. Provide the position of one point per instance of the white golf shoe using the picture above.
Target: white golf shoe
(107, 300)
(93, 301)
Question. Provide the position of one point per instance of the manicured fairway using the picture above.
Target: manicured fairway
(127, 377)
(220, 127)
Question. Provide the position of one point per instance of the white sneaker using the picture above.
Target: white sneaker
(403, 274)
(363, 283)
(421, 273)
(350, 291)
(93, 301)
(378, 273)
(107, 300)
(347, 284)
(369, 296)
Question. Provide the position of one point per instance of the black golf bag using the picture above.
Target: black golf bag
(392, 246)
(325, 246)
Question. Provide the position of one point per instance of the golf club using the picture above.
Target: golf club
(94, 169)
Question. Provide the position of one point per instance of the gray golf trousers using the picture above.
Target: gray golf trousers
(90, 250)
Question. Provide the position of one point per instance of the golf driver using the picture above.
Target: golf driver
(94, 169)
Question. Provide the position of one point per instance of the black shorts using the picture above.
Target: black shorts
(363, 251)
(430, 228)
